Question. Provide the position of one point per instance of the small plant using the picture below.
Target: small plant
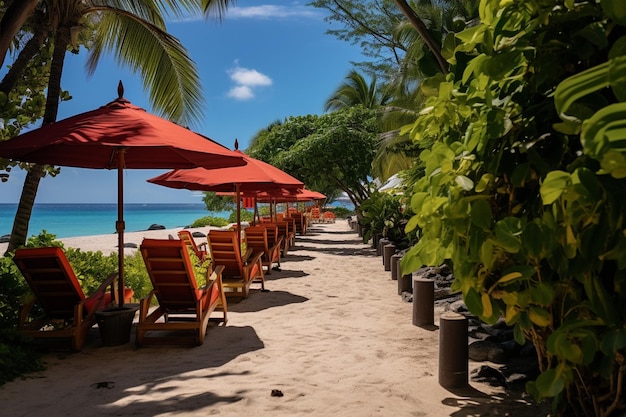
(209, 221)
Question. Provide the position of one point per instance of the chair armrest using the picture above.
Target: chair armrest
(99, 293)
(254, 258)
(246, 256)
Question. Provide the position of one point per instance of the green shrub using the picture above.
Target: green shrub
(246, 216)
(209, 221)
(340, 212)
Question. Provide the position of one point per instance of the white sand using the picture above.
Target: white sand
(332, 335)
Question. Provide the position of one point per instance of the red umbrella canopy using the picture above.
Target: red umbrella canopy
(254, 176)
(285, 196)
(93, 140)
(118, 135)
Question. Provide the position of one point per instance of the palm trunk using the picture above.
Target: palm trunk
(419, 26)
(14, 17)
(31, 182)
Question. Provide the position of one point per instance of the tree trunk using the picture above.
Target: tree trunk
(12, 21)
(31, 182)
(25, 208)
(423, 32)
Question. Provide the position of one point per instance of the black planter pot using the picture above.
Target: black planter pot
(115, 324)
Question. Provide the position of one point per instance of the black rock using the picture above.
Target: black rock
(198, 234)
(156, 227)
(5, 238)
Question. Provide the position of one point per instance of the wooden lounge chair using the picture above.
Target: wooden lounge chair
(184, 310)
(315, 215)
(199, 250)
(257, 239)
(328, 216)
(300, 221)
(287, 237)
(240, 271)
(67, 313)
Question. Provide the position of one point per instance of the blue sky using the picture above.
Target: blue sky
(265, 61)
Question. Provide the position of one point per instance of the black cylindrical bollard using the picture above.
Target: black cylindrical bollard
(381, 244)
(423, 302)
(395, 260)
(388, 250)
(453, 351)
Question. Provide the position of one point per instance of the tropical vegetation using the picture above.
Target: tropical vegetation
(507, 121)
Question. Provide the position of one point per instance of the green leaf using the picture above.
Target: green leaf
(481, 214)
(613, 341)
(532, 239)
(550, 383)
(616, 10)
(605, 130)
(508, 231)
(518, 334)
(555, 184)
(539, 316)
(580, 85)
(474, 303)
(464, 182)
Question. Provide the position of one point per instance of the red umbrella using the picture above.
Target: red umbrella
(255, 176)
(116, 136)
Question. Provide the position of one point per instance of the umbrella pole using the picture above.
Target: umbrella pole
(238, 194)
(119, 225)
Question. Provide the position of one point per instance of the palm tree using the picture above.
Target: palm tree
(135, 32)
(355, 90)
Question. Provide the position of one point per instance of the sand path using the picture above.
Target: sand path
(332, 335)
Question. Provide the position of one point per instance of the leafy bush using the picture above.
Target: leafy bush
(340, 212)
(525, 190)
(383, 214)
(16, 357)
(246, 216)
(209, 221)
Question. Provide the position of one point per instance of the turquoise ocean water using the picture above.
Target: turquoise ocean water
(68, 220)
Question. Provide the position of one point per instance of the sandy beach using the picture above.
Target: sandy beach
(332, 335)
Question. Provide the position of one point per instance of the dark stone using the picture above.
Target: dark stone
(5, 238)
(130, 245)
(489, 375)
(156, 227)
(198, 234)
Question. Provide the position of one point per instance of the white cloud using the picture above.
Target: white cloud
(241, 92)
(249, 77)
(265, 11)
(269, 11)
(246, 80)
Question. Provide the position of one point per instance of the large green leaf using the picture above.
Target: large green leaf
(555, 184)
(551, 382)
(481, 214)
(508, 234)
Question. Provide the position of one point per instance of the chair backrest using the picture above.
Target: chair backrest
(315, 213)
(282, 230)
(256, 238)
(187, 237)
(272, 233)
(225, 250)
(329, 216)
(51, 278)
(171, 273)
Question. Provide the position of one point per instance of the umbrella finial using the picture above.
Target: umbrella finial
(236, 144)
(120, 90)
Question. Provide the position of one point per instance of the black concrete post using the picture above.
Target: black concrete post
(423, 302)
(453, 350)
(388, 250)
